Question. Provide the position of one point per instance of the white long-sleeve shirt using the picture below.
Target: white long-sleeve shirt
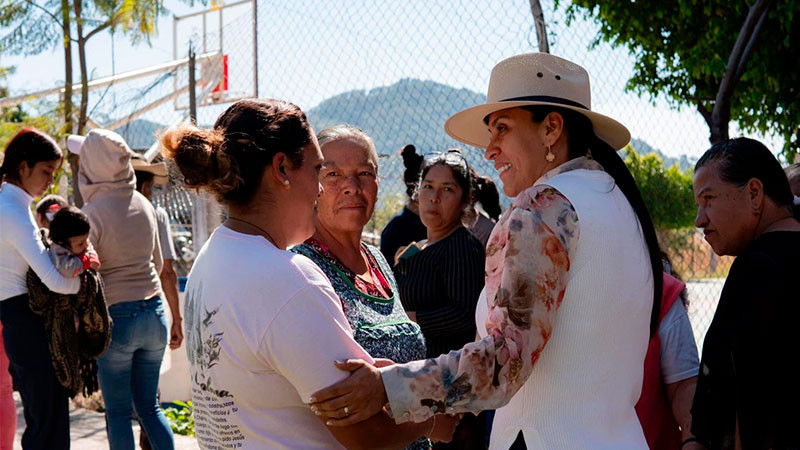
(21, 248)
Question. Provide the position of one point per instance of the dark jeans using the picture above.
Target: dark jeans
(45, 402)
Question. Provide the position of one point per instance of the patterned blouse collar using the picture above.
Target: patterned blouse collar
(384, 290)
(582, 162)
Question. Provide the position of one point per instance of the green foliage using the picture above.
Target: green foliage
(13, 118)
(181, 419)
(667, 192)
(682, 48)
(387, 207)
(31, 26)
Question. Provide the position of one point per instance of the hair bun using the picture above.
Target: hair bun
(195, 152)
(412, 162)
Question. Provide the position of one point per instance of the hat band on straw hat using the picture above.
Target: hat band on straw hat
(548, 99)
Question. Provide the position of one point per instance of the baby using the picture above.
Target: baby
(70, 249)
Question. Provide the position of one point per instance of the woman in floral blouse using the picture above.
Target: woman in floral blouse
(358, 272)
(569, 279)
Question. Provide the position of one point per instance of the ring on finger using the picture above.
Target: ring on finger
(347, 411)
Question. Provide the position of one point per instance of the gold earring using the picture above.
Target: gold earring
(550, 156)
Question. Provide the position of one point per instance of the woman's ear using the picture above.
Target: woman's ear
(553, 127)
(23, 170)
(755, 193)
(277, 170)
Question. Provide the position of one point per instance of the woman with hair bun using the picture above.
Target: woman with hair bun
(264, 325)
(405, 227)
(747, 393)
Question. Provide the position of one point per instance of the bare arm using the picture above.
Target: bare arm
(169, 284)
(379, 432)
(681, 395)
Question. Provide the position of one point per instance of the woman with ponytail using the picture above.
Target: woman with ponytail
(573, 279)
(747, 392)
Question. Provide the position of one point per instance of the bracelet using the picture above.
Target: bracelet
(689, 440)
(428, 435)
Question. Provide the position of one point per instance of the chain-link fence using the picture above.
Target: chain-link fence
(397, 70)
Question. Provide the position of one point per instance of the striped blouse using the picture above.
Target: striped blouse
(441, 284)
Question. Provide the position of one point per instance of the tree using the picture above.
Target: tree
(136, 19)
(667, 192)
(38, 26)
(35, 28)
(541, 26)
(731, 60)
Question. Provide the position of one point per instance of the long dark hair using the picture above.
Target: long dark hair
(741, 159)
(580, 138)
(31, 146)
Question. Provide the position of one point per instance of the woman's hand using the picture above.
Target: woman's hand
(445, 427)
(354, 399)
(175, 334)
(383, 362)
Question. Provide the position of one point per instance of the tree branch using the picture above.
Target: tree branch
(52, 16)
(736, 60)
(705, 113)
(750, 44)
(541, 28)
(97, 30)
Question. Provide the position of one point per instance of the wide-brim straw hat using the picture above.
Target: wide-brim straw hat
(159, 170)
(535, 79)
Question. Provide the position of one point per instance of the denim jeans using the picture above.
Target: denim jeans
(129, 371)
(45, 402)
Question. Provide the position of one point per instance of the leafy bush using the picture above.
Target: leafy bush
(667, 193)
(180, 418)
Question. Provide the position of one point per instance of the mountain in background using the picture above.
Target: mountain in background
(140, 133)
(643, 148)
(414, 111)
(410, 111)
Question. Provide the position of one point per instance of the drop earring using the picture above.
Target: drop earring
(550, 156)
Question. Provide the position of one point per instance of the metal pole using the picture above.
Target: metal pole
(205, 49)
(220, 28)
(192, 93)
(255, 48)
(175, 51)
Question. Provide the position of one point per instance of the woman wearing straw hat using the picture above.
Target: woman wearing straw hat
(569, 284)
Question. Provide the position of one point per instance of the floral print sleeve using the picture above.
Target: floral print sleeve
(527, 267)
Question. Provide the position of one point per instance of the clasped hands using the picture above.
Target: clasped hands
(362, 395)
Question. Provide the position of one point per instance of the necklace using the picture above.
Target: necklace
(266, 234)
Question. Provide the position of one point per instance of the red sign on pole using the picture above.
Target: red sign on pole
(222, 86)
